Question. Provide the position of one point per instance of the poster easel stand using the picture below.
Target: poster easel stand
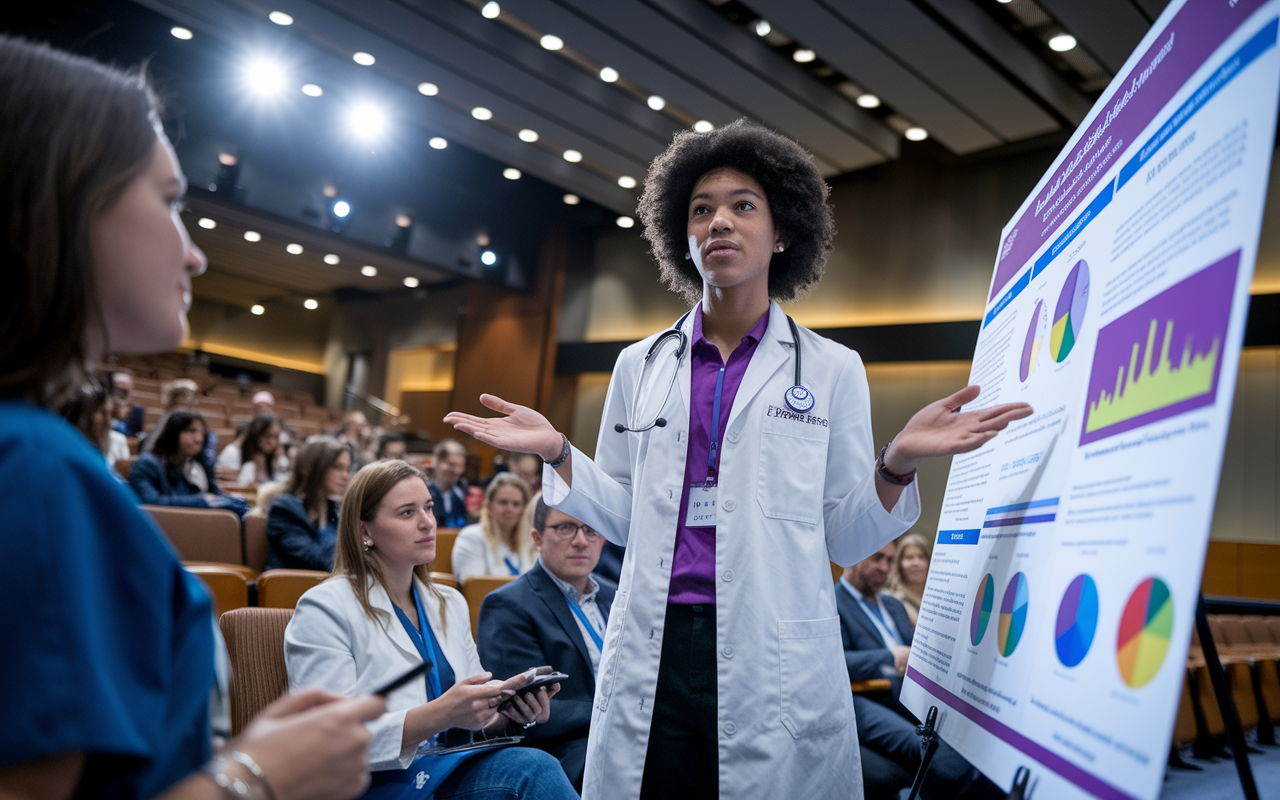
(1230, 719)
(928, 746)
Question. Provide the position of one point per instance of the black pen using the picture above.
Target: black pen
(383, 691)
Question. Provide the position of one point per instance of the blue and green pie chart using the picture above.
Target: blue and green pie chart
(1013, 614)
(982, 605)
(1077, 621)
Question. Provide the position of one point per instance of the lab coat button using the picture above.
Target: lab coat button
(728, 651)
(733, 436)
(729, 505)
(730, 729)
(727, 575)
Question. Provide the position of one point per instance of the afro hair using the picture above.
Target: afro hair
(795, 190)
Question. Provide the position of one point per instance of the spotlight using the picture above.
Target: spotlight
(341, 208)
(804, 55)
(572, 156)
(763, 28)
(1062, 43)
(311, 90)
(428, 88)
(626, 222)
(367, 121)
(488, 258)
(608, 74)
(363, 59)
(369, 271)
(257, 310)
(264, 77)
(227, 159)
(438, 142)
(280, 18)
(916, 134)
(527, 135)
(411, 281)
(657, 103)
(331, 258)
(491, 10)
(627, 182)
(293, 249)
(868, 101)
(403, 221)
(481, 113)
(703, 126)
(511, 174)
(550, 42)
(572, 199)
(180, 32)
(252, 236)
(207, 223)
(310, 304)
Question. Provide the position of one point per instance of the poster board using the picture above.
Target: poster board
(1061, 595)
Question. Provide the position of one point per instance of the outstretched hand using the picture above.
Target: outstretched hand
(940, 429)
(520, 430)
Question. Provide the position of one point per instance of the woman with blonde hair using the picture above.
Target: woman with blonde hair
(499, 544)
(909, 571)
(380, 615)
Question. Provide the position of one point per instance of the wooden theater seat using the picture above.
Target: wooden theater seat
(255, 642)
(281, 588)
(201, 534)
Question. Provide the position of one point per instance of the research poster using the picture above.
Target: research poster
(1056, 620)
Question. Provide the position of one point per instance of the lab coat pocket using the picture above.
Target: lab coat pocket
(611, 655)
(813, 676)
(793, 459)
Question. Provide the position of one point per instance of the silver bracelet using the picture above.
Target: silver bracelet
(222, 768)
(245, 760)
(564, 453)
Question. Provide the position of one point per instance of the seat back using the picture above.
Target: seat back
(255, 540)
(1240, 681)
(123, 465)
(201, 534)
(444, 579)
(281, 588)
(1233, 632)
(255, 642)
(445, 537)
(1258, 631)
(228, 585)
(475, 589)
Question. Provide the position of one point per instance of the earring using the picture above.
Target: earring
(368, 545)
(688, 257)
(778, 248)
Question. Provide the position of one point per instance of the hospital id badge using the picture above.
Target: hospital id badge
(702, 507)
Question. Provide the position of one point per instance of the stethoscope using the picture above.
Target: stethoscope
(798, 398)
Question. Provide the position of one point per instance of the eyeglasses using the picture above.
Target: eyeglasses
(568, 530)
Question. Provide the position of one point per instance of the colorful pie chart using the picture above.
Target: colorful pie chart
(1068, 315)
(982, 609)
(1145, 628)
(1077, 621)
(1013, 614)
(1035, 340)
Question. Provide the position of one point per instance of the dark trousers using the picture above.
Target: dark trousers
(683, 758)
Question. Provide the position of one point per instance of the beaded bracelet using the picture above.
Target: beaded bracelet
(892, 477)
(564, 453)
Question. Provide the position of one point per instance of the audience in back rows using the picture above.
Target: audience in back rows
(909, 572)
(497, 544)
(302, 522)
(128, 419)
(173, 472)
(448, 486)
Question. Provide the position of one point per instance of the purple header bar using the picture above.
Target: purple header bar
(1198, 29)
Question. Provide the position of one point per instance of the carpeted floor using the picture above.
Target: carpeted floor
(1219, 781)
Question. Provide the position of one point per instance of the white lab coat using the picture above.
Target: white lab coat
(793, 493)
(331, 643)
(473, 556)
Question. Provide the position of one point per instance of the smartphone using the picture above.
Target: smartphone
(533, 686)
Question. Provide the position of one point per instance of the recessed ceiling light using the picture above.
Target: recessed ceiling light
(332, 258)
(625, 222)
(551, 42)
(280, 18)
(293, 249)
(252, 236)
(572, 199)
(310, 304)
(488, 258)
(868, 101)
(763, 28)
(264, 76)
(366, 120)
(703, 126)
(438, 142)
(257, 310)
(916, 134)
(363, 59)
(1062, 43)
(411, 281)
(403, 221)
(481, 113)
(491, 10)
(572, 156)
(311, 90)
(627, 182)
(369, 271)
(511, 174)
(608, 74)
(527, 135)
(341, 208)
(804, 55)
(227, 159)
(207, 223)
(657, 103)
(428, 88)
(180, 32)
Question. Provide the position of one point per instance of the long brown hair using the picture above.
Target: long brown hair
(73, 134)
(522, 542)
(364, 494)
(898, 581)
(307, 475)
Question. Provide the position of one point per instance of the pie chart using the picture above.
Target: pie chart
(1077, 621)
(1013, 614)
(1068, 315)
(1145, 628)
(982, 609)
(1035, 340)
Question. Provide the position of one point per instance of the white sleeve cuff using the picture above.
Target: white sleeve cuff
(554, 488)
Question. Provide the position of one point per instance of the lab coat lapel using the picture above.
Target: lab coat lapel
(770, 355)
(683, 372)
(380, 600)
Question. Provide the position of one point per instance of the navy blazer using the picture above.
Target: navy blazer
(159, 484)
(527, 623)
(865, 653)
(295, 542)
(459, 500)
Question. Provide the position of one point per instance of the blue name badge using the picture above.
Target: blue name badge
(702, 507)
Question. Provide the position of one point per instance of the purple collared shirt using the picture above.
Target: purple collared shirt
(693, 570)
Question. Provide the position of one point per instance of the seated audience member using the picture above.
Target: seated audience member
(391, 447)
(264, 403)
(877, 641)
(354, 433)
(182, 394)
(909, 572)
(448, 486)
(127, 418)
(554, 614)
(172, 474)
(229, 462)
(496, 545)
(302, 521)
(260, 458)
(527, 466)
(379, 616)
(89, 410)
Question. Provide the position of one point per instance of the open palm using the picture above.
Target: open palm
(939, 429)
(519, 430)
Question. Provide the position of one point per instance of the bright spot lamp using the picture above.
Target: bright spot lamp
(180, 32)
(257, 310)
(703, 126)
(511, 174)
(280, 18)
(1062, 43)
(551, 42)
(763, 28)
(491, 10)
(311, 90)
(367, 121)
(804, 55)
(608, 74)
(252, 236)
(627, 182)
(363, 59)
(572, 156)
(428, 88)
(481, 113)
(868, 101)
(310, 304)
(331, 258)
(916, 134)
(207, 223)
(438, 142)
(264, 77)
(411, 281)
(369, 271)
(528, 135)
(657, 103)
(293, 249)
(341, 208)
(572, 199)
(488, 258)
(626, 222)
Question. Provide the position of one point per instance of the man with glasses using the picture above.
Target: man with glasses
(554, 614)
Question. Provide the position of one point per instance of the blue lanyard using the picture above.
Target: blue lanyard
(714, 433)
(434, 689)
(873, 610)
(511, 565)
(586, 623)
